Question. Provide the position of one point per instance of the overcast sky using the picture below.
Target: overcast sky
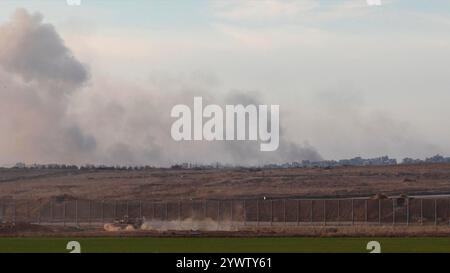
(351, 79)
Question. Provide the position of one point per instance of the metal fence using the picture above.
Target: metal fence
(239, 212)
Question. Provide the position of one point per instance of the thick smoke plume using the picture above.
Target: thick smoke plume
(50, 114)
(35, 52)
(38, 74)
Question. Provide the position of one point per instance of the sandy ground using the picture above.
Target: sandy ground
(27, 230)
(173, 185)
(162, 184)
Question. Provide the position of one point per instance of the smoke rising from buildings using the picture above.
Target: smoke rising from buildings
(54, 111)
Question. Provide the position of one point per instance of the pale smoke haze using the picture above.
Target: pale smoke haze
(78, 85)
(38, 75)
(42, 120)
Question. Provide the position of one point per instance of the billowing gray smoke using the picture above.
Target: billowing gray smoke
(49, 114)
(38, 74)
(33, 50)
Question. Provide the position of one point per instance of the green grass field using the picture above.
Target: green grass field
(223, 245)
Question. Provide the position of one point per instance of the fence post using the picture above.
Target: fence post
(179, 211)
(366, 205)
(353, 211)
(271, 212)
(64, 213)
(90, 212)
(245, 213)
(284, 212)
(51, 211)
(127, 210)
(407, 211)
(312, 211)
(167, 211)
(40, 212)
(153, 211)
(231, 210)
(140, 209)
(192, 211)
(28, 211)
(324, 212)
(103, 211)
(393, 211)
(421, 211)
(14, 211)
(435, 212)
(298, 212)
(205, 209)
(379, 211)
(339, 211)
(218, 215)
(218, 211)
(448, 212)
(115, 209)
(257, 212)
(76, 212)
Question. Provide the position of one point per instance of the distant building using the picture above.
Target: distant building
(20, 165)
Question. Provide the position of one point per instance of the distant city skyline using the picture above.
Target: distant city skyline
(356, 161)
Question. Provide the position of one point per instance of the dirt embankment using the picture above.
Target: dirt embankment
(167, 185)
